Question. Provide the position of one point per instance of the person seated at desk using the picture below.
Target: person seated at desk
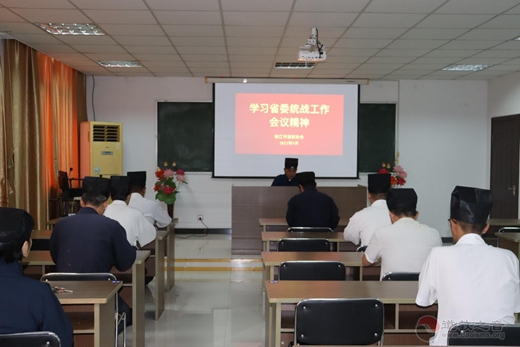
(152, 210)
(471, 281)
(404, 245)
(90, 242)
(362, 224)
(25, 304)
(289, 177)
(311, 208)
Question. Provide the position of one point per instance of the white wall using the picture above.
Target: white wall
(432, 136)
(504, 96)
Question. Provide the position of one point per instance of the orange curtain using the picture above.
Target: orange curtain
(5, 162)
(45, 101)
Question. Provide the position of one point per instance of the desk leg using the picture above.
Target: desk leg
(266, 246)
(269, 323)
(138, 305)
(361, 273)
(277, 321)
(170, 261)
(159, 277)
(104, 323)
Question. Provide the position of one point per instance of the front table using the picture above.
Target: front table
(271, 236)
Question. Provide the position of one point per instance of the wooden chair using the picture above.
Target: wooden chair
(312, 271)
(303, 245)
(401, 276)
(30, 339)
(480, 334)
(507, 230)
(66, 200)
(339, 322)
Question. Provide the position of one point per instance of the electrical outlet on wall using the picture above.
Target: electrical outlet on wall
(200, 217)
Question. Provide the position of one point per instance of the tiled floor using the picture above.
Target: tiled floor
(216, 308)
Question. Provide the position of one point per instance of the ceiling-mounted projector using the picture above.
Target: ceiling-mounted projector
(313, 51)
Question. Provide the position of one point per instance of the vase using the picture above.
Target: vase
(170, 210)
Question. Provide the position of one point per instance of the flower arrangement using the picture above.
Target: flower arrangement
(397, 175)
(168, 184)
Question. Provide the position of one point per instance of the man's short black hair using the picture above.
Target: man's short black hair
(380, 196)
(400, 212)
(471, 227)
(15, 230)
(93, 198)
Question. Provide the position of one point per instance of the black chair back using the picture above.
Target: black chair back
(401, 276)
(63, 181)
(312, 271)
(303, 245)
(338, 322)
(31, 339)
(64, 276)
(361, 248)
(509, 230)
(484, 335)
(310, 229)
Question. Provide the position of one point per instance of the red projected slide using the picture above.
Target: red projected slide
(299, 124)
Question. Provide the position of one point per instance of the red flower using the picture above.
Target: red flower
(159, 173)
(383, 171)
(156, 187)
(168, 190)
(180, 172)
(401, 181)
(393, 181)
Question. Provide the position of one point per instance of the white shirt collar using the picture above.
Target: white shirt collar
(471, 239)
(118, 203)
(380, 202)
(406, 220)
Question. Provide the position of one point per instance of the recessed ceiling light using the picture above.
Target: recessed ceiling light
(294, 65)
(118, 63)
(517, 39)
(70, 29)
(466, 67)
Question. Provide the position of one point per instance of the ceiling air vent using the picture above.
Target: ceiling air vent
(106, 133)
(294, 65)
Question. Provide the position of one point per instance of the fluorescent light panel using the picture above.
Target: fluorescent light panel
(118, 63)
(466, 67)
(70, 29)
(294, 65)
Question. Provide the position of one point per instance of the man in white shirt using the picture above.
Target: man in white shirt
(362, 224)
(152, 210)
(471, 281)
(138, 229)
(404, 245)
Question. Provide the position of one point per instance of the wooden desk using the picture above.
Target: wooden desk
(510, 241)
(270, 236)
(282, 222)
(41, 234)
(100, 294)
(51, 223)
(401, 313)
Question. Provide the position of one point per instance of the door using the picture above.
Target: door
(505, 145)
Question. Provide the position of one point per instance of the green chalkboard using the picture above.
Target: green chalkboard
(376, 136)
(185, 135)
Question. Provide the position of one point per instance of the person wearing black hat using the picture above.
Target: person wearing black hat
(471, 281)
(25, 304)
(362, 224)
(311, 208)
(152, 210)
(138, 229)
(404, 245)
(289, 177)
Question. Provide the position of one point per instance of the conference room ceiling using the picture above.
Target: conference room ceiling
(374, 39)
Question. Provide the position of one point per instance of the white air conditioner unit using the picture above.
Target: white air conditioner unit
(101, 149)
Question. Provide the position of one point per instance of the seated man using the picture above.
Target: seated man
(404, 245)
(289, 177)
(152, 210)
(362, 224)
(471, 281)
(311, 208)
(91, 242)
(137, 228)
(25, 304)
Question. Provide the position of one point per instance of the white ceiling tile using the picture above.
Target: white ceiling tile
(417, 44)
(76, 57)
(124, 73)
(450, 73)
(209, 70)
(209, 74)
(297, 42)
(21, 28)
(320, 19)
(253, 58)
(81, 64)
(202, 50)
(387, 20)
(251, 64)
(404, 6)
(177, 74)
(135, 17)
(132, 30)
(468, 44)
(452, 53)
(53, 48)
(163, 64)
(503, 22)
(193, 30)
(167, 69)
(253, 42)
(380, 66)
(100, 56)
(353, 52)
(150, 49)
(254, 5)
(97, 73)
(158, 57)
(183, 5)
(332, 74)
(446, 21)
(408, 74)
(189, 17)
(207, 64)
(330, 66)
(503, 67)
(8, 16)
(433, 34)
(252, 75)
(40, 39)
(254, 31)
(246, 72)
(512, 62)
(437, 78)
(362, 43)
(344, 60)
(484, 61)
(490, 34)
(288, 51)
(285, 57)
(323, 32)
(364, 75)
(330, 5)
(477, 6)
(387, 52)
(64, 4)
(252, 50)
(127, 69)
(473, 77)
(515, 10)
(368, 71)
(255, 18)
(204, 57)
(445, 61)
(142, 40)
(374, 33)
(87, 40)
(422, 67)
(492, 72)
(509, 45)
(495, 53)
(390, 60)
(98, 49)
(54, 15)
(109, 4)
(198, 41)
